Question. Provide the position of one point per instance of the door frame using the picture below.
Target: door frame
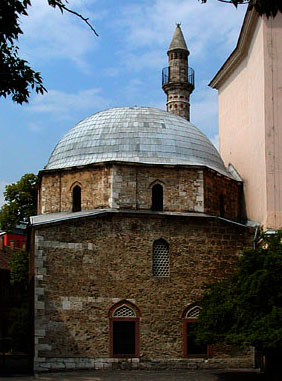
(137, 337)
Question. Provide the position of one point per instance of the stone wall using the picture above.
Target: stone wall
(55, 194)
(122, 186)
(49, 194)
(183, 187)
(216, 185)
(126, 186)
(84, 267)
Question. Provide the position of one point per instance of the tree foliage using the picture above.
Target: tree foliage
(268, 7)
(20, 328)
(16, 75)
(19, 267)
(20, 321)
(19, 325)
(21, 202)
(246, 309)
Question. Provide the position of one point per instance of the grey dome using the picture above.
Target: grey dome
(135, 134)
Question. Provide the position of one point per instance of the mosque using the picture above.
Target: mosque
(136, 213)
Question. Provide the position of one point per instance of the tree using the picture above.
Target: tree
(20, 315)
(268, 7)
(21, 203)
(246, 309)
(16, 75)
(19, 268)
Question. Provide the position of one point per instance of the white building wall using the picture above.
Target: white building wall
(242, 125)
(273, 118)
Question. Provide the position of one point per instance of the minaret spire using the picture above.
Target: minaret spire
(178, 78)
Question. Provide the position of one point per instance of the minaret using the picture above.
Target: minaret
(178, 78)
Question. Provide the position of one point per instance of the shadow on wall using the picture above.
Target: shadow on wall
(242, 376)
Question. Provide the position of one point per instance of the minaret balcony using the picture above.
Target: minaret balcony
(178, 75)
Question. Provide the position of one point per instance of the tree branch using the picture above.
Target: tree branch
(63, 7)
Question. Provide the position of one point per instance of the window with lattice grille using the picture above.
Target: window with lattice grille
(124, 311)
(193, 313)
(160, 258)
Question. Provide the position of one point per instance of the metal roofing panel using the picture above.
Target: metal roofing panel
(135, 134)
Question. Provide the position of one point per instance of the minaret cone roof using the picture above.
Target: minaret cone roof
(178, 41)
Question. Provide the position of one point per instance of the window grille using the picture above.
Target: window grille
(160, 259)
(193, 313)
(124, 311)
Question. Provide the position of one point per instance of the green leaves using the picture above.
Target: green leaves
(20, 328)
(16, 75)
(19, 268)
(21, 202)
(267, 7)
(246, 309)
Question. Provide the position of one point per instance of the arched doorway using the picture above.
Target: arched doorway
(190, 347)
(124, 330)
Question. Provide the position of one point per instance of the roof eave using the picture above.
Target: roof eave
(55, 218)
(225, 172)
(240, 51)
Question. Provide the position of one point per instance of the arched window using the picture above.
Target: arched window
(76, 199)
(124, 330)
(160, 258)
(191, 347)
(193, 312)
(124, 311)
(157, 197)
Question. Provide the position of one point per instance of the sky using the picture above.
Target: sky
(85, 74)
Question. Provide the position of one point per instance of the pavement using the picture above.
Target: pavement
(144, 375)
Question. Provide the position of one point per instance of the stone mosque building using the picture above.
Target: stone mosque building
(136, 213)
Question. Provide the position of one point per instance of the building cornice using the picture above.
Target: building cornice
(60, 217)
(57, 171)
(240, 51)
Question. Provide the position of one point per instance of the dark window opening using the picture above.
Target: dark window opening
(124, 338)
(76, 199)
(221, 205)
(192, 347)
(157, 197)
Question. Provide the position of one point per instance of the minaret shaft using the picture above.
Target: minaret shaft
(178, 78)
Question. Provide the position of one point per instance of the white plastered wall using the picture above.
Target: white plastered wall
(242, 125)
(273, 118)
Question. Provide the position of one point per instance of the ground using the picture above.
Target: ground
(169, 375)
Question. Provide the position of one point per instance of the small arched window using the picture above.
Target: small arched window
(157, 197)
(193, 313)
(76, 199)
(160, 258)
(124, 311)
